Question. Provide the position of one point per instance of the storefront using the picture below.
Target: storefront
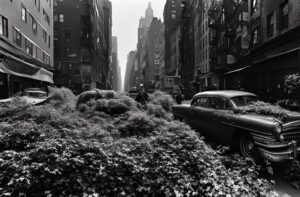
(265, 77)
(18, 75)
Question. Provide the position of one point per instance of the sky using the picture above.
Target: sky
(126, 15)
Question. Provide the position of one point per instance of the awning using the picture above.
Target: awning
(237, 70)
(23, 70)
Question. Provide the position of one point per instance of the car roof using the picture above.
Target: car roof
(224, 93)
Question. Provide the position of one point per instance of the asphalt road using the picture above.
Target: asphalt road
(282, 187)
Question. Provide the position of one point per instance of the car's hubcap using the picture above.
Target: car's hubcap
(247, 146)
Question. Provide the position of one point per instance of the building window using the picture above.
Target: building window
(49, 41)
(61, 18)
(55, 16)
(173, 16)
(255, 7)
(34, 25)
(46, 58)
(86, 73)
(24, 14)
(68, 35)
(45, 35)
(85, 55)
(16, 37)
(284, 15)
(38, 4)
(28, 46)
(46, 17)
(255, 36)
(3, 26)
(270, 24)
(67, 51)
(56, 34)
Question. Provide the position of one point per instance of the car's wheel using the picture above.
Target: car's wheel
(247, 147)
(177, 118)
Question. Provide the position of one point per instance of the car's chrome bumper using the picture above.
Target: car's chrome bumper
(280, 152)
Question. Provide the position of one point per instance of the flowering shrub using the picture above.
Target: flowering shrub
(162, 99)
(157, 111)
(292, 82)
(111, 148)
(263, 108)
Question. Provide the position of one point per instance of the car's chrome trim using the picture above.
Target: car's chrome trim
(271, 146)
(278, 156)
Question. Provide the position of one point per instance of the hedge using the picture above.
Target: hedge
(106, 146)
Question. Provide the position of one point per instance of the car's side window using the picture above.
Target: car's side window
(216, 102)
(219, 103)
(200, 102)
(195, 102)
(229, 104)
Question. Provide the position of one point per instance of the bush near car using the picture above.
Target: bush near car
(102, 144)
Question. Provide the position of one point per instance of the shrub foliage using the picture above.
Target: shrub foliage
(107, 146)
(263, 108)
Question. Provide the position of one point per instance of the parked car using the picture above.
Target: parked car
(132, 93)
(33, 96)
(213, 114)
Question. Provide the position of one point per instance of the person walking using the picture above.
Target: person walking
(179, 97)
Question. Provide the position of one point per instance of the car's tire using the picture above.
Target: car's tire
(177, 118)
(247, 147)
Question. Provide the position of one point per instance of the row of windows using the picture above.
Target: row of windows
(24, 13)
(3, 26)
(21, 41)
(34, 24)
(270, 23)
(58, 17)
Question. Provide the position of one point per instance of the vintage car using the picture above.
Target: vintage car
(213, 114)
(132, 93)
(34, 96)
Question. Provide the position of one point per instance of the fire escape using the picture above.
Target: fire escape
(222, 23)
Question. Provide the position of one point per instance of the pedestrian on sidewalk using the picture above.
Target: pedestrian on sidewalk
(179, 97)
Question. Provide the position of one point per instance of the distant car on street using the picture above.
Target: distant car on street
(33, 96)
(132, 93)
(213, 114)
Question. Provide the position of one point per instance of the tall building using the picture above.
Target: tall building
(81, 39)
(115, 65)
(205, 78)
(107, 69)
(119, 87)
(148, 15)
(128, 74)
(256, 41)
(150, 54)
(187, 56)
(172, 17)
(26, 45)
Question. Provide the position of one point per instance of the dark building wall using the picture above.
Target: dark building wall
(79, 44)
(187, 59)
(172, 17)
(273, 57)
(107, 9)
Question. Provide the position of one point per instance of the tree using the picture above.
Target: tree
(292, 83)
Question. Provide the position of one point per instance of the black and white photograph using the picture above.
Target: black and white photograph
(150, 98)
